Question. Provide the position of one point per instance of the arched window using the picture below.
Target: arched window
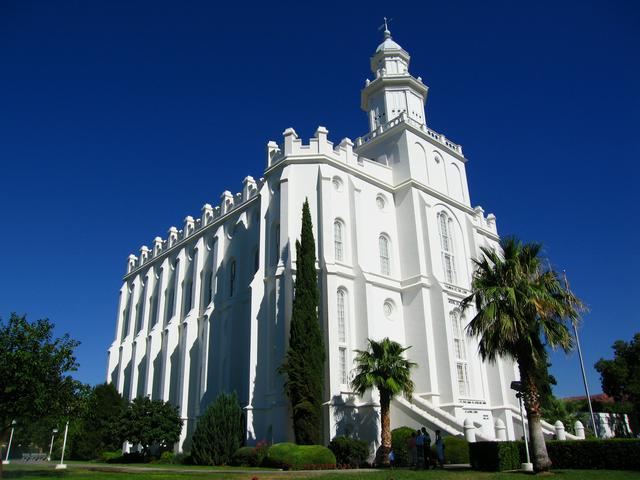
(209, 288)
(276, 242)
(338, 242)
(232, 278)
(445, 225)
(385, 259)
(256, 259)
(460, 352)
(341, 308)
(342, 329)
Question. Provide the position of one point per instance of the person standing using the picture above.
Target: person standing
(426, 448)
(420, 449)
(411, 444)
(439, 448)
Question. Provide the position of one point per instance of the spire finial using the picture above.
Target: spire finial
(387, 33)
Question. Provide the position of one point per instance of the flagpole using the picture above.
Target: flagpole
(584, 375)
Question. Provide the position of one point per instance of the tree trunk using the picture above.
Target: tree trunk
(537, 446)
(382, 454)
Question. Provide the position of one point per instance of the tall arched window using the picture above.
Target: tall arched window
(385, 259)
(232, 278)
(341, 308)
(338, 242)
(460, 352)
(342, 329)
(276, 242)
(445, 225)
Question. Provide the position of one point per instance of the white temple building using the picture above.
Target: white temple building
(207, 309)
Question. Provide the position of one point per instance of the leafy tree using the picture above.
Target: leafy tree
(521, 306)
(35, 434)
(33, 372)
(219, 433)
(98, 429)
(150, 422)
(303, 366)
(384, 367)
(620, 377)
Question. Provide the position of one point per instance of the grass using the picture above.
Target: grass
(27, 472)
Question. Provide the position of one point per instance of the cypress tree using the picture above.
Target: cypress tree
(303, 367)
(219, 432)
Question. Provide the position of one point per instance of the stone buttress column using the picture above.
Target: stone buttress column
(172, 329)
(189, 338)
(154, 338)
(113, 362)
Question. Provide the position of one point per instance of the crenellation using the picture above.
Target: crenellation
(132, 262)
(486, 223)
(249, 188)
(291, 141)
(207, 214)
(173, 236)
(189, 225)
(144, 254)
(157, 246)
(491, 222)
(226, 202)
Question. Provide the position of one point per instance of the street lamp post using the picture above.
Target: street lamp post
(53, 434)
(517, 386)
(6, 460)
(62, 465)
(584, 375)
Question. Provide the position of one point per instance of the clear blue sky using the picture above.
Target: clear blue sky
(118, 119)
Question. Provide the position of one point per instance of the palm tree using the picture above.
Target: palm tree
(384, 367)
(521, 307)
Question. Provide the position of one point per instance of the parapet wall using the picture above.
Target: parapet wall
(320, 145)
(228, 202)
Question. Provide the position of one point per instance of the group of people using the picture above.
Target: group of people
(419, 446)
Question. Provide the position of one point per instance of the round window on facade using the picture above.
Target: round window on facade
(387, 308)
(381, 202)
(337, 184)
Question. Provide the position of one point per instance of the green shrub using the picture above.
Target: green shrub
(110, 455)
(133, 457)
(290, 456)
(456, 450)
(279, 454)
(182, 459)
(399, 438)
(219, 432)
(166, 458)
(611, 454)
(248, 457)
(313, 457)
(494, 456)
(349, 451)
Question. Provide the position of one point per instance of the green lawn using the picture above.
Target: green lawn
(77, 473)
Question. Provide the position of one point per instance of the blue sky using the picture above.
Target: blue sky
(118, 119)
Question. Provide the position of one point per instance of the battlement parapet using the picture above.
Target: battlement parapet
(486, 223)
(228, 203)
(320, 145)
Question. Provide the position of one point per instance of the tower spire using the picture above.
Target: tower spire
(387, 33)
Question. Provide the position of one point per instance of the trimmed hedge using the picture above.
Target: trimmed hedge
(494, 456)
(290, 456)
(610, 454)
(456, 450)
(399, 438)
(349, 452)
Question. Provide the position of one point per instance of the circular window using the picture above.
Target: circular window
(381, 202)
(387, 308)
(337, 183)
